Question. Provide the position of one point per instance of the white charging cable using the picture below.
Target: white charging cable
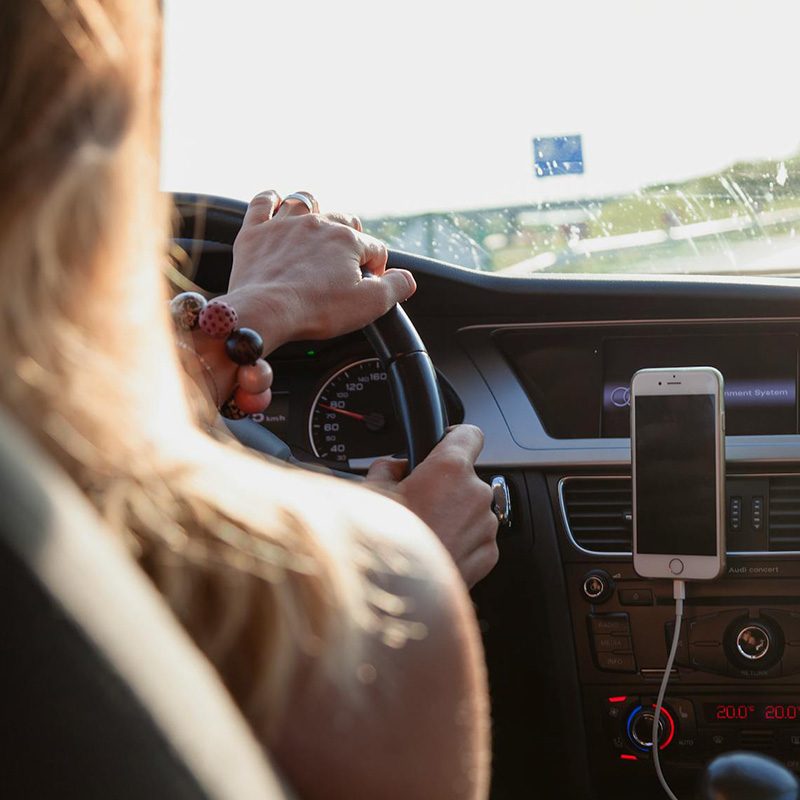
(679, 593)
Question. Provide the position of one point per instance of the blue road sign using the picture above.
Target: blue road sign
(557, 155)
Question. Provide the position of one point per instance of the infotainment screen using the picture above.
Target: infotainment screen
(760, 373)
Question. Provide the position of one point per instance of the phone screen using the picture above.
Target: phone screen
(676, 493)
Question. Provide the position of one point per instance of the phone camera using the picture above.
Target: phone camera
(659, 383)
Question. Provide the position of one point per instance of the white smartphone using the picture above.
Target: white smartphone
(678, 464)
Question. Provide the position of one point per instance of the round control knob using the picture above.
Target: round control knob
(753, 642)
(640, 728)
(597, 586)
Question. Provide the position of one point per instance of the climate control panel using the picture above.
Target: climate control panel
(694, 729)
(629, 723)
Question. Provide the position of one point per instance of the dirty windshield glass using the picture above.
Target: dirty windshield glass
(520, 138)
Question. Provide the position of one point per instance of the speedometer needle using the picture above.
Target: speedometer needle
(359, 417)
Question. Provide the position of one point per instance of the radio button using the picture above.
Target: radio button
(616, 662)
(610, 644)
(610, 624)
(636, 597)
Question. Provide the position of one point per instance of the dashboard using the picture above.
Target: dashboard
(575, 641)
(333, 407)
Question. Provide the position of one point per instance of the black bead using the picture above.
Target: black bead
(244, 346)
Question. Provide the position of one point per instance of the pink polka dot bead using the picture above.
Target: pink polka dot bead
(218, 319)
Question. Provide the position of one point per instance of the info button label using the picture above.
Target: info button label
(616, 662)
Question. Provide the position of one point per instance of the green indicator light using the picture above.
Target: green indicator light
(311, 352)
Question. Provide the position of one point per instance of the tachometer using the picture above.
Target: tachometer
(353, 417)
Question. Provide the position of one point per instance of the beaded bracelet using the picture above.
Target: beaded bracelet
(244, 346)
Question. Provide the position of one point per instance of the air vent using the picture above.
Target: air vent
(598, 513)
(784, 512)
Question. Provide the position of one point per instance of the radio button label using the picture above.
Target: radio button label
(610, 624)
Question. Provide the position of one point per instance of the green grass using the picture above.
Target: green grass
(743, 189)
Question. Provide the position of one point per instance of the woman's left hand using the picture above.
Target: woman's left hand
(298, 274)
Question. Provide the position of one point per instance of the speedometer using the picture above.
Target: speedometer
(352, 416)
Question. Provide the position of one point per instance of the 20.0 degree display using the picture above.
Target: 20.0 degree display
(752, 712)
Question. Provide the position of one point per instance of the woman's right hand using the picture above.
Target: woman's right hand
(299, 275)
(445, 492)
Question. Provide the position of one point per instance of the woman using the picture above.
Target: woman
(335, 618)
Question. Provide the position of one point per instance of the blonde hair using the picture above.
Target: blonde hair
(90, 367)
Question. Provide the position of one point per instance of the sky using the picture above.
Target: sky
(400, 108)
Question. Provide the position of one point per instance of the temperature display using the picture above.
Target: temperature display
(752, 712)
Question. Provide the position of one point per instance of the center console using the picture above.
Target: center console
(736, 680)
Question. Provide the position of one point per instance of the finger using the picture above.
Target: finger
(344, 219)
(388, 470)
(466, 440)
(378, 295)
(292, 207)
(261, 207)
(373, 254)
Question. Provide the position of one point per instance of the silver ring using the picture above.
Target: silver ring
(303, 198)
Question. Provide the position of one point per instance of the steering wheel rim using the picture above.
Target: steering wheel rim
(413, 384)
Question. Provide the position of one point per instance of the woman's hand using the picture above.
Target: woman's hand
(298, 275)
(446, 493)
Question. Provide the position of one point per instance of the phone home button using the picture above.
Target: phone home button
(676, 566)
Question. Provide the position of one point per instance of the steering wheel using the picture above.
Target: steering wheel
(412, 381)
(412, 378)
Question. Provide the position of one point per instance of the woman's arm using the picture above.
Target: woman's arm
(386, 696)
(413, 722)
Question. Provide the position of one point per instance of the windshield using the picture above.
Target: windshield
(520, 138)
